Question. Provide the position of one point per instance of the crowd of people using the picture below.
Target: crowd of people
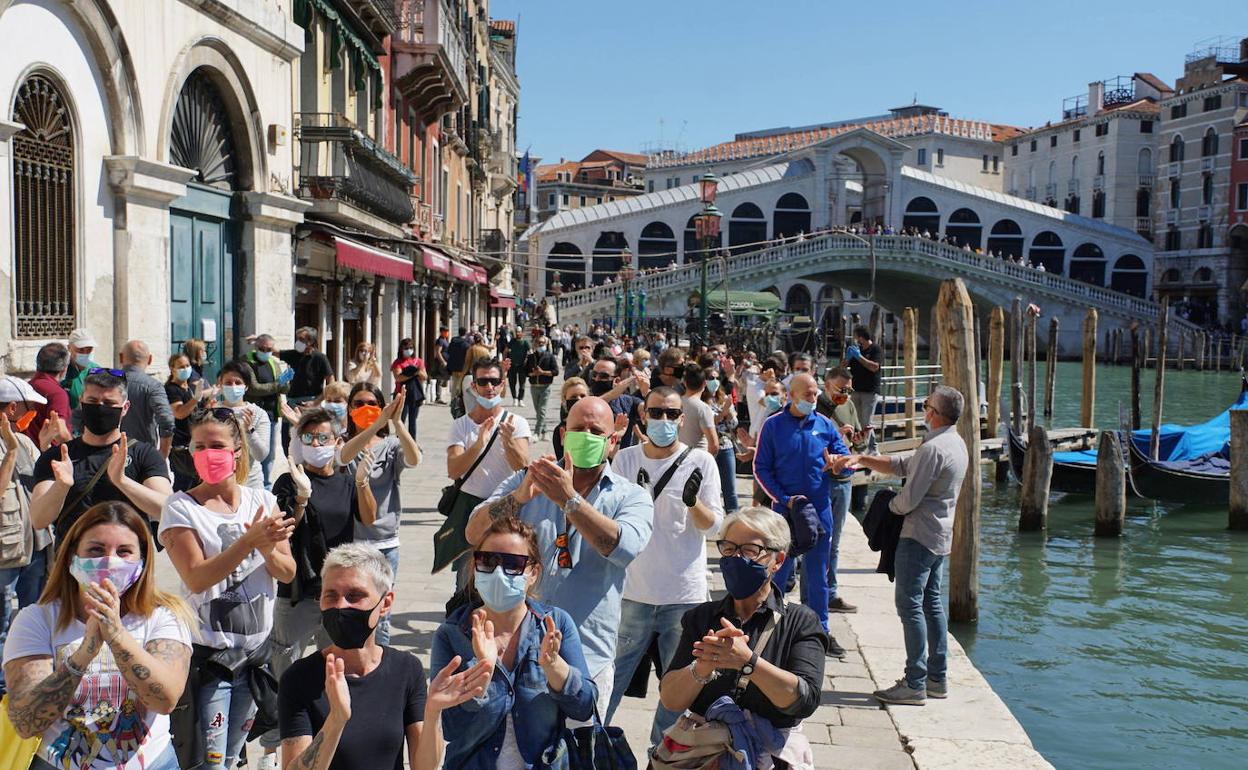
(273, 489)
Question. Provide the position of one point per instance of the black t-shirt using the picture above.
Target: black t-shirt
(442, 344)
(181, 428)
(629, 406)
(311, 369)
(865, 380)
(383, 704)
(544, 361)
(328, 520)
(143, 461)
(456, 352)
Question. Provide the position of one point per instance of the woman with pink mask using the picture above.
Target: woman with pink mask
(229, 545)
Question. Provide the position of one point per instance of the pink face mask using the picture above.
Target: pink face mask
(213, 465)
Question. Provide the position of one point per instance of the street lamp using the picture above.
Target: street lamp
(626, 275)
(707, 228)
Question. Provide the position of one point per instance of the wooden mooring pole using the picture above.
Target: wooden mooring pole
(957, 340)
(1088, 405)
(1200, 351)
(1159, 389)
(1137, 359)
(1178, 361)
(910, 344)
(1238, 517)
(1050, 370)
(1033, 504)
(1030, 347)
(933, 338)
(1111, 486)
(996, 353)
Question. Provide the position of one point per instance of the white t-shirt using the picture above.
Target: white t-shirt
(105, 724)
(238, 611)
(494, 468)
(753, 394)
(671, 569)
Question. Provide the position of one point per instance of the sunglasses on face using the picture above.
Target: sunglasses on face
(513, 564)
(316, 439)
(659, 413)
(489, 382)
(751, 551)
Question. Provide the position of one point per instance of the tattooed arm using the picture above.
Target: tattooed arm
(40, 691)
(504, 505)
(305, 753)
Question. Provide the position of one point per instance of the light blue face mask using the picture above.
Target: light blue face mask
(712, 386)
(805, 407)
(338, 410)
(662, 432)
(486, 403)
(262, 355)
(233, 394)
(500, 592)
(184, 374)
(772, 403)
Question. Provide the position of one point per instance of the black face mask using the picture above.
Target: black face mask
(600, 387)
(101, 419)
(348, 627)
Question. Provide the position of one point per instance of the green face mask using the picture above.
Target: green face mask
(586, 449)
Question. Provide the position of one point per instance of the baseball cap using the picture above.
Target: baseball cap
(14, 389)
(82, 338)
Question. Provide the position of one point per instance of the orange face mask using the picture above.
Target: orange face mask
(25, 420)
(365, 416)
(839, 398)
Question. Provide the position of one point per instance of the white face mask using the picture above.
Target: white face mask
(409, 352)
(300, 346)
(319, 456)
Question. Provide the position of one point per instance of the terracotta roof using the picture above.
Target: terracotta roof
(890, 127)
(547, 172)
(630, 158)
(506, 26)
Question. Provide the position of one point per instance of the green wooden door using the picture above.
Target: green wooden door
(201, 244)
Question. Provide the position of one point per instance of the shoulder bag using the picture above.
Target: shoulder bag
(446, 503)
(593, 747)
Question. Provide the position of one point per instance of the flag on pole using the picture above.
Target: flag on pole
(524, 172)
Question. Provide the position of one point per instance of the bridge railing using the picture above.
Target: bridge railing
(885, 246)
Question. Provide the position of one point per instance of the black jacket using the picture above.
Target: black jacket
(883, 528)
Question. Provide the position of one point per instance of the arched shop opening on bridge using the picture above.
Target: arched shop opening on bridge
(965, 229)
(693, 245)
(1047, 249)
(922, 214)
(797, 300)
(1006, 239)
(606, 257)
(747, 226)
(656, 247)
(1087, 264)
(566, 260)
(792, 216)
(1130, 276)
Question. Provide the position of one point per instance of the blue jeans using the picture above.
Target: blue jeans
(726, 459)
(266, 465)
(225, 712)
(24, 584)
(383, 628)
(917, 593)
(840, 509)
(814, 569)
(638, 623)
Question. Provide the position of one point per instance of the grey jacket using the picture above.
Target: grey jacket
(934, 476)
(150, 417)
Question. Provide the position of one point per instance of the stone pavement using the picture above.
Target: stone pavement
(972, 729)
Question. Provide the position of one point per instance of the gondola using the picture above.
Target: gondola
(1205, 479)
(1070, 477)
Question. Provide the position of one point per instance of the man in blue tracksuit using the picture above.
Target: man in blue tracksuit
(796, 449)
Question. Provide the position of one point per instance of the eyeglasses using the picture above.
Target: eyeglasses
(489, 382)
(659, 413)
(119, 373)
(487, 561)
(315, 439)
(751, 551)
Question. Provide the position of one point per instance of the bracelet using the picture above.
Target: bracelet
(693, 672)
(70, 668)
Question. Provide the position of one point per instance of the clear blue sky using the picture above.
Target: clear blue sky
(603, 74)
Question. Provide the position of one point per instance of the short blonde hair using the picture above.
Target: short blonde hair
(570, 383)
(766, 522)
(336, 389)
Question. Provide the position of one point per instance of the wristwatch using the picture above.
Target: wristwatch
(572, 503)
(748, 668)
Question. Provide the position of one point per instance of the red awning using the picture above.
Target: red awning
(432, 260)
(503, 302)
(462, 272)
(357, 256)
(479, 275)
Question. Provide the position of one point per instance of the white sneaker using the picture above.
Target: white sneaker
(268, 761)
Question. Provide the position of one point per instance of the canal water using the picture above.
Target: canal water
(1117, 653)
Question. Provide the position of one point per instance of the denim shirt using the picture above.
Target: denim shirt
(592, 589)
(475, 728)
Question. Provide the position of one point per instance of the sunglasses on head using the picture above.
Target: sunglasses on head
(489, 382)
(487, 561)
(659, 413)
(120, 373)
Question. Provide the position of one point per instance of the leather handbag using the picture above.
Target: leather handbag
(592, 747)
(692, 744)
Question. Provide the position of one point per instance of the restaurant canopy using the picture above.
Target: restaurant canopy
(739, 302)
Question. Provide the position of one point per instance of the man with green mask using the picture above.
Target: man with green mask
(590, 523)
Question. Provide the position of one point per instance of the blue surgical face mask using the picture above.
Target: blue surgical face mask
(337, 409)
(662, 432)
(805, 407)
(772, 403)
(500, 592)
(233, 394)
(183, 374)
(262, 355)
(488, 403)
(712, 386)
(83, 360)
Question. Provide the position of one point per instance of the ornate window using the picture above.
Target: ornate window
(44, 211)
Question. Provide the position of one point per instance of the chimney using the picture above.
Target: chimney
(1096, 97)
